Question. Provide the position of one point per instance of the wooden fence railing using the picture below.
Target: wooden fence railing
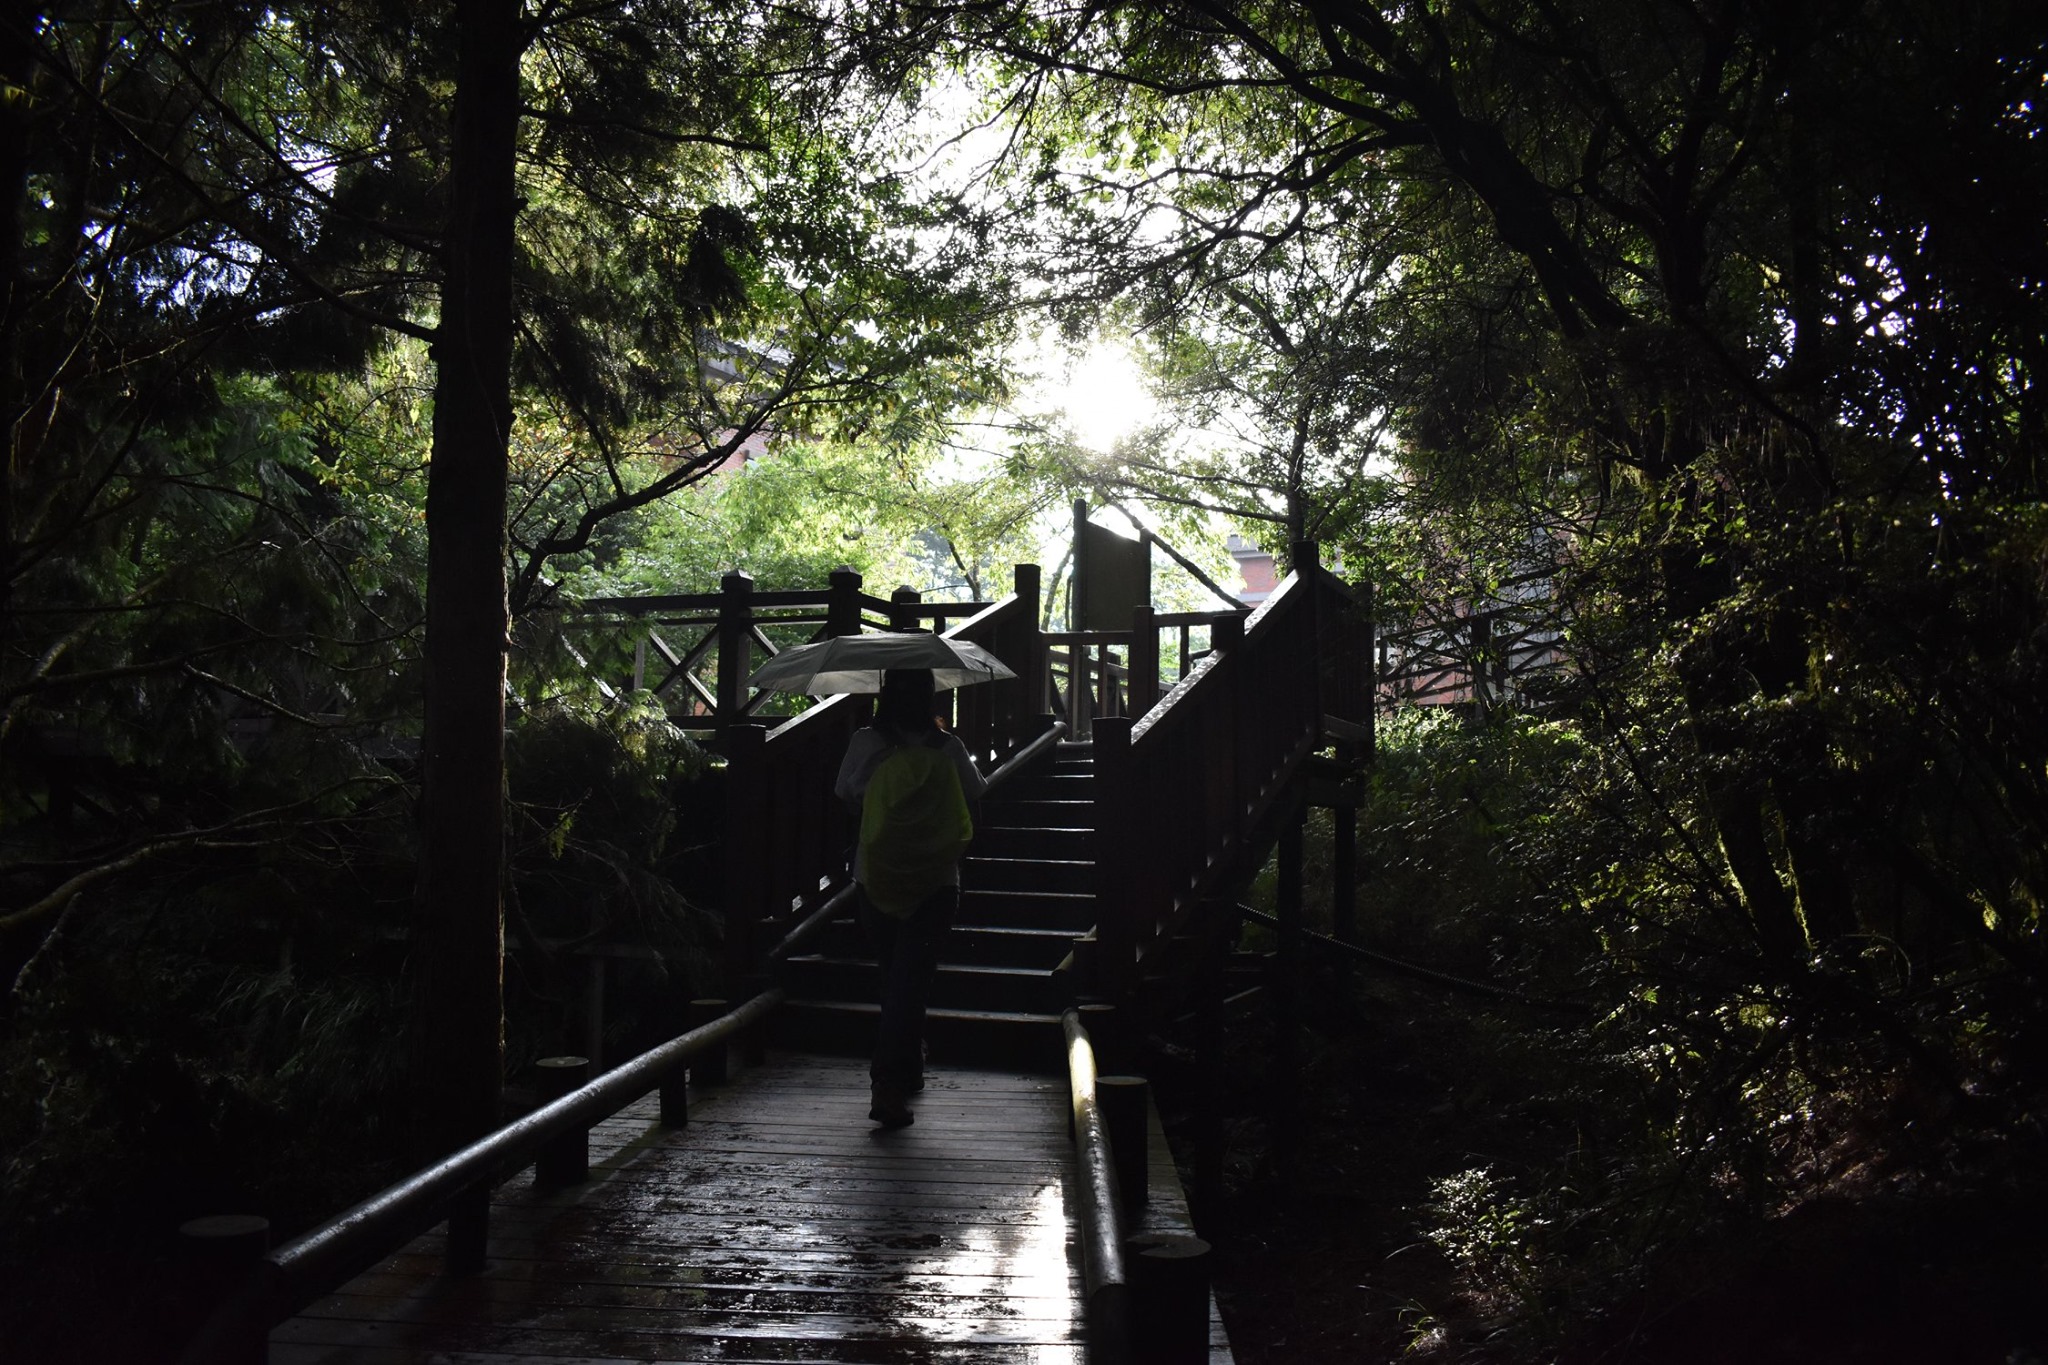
(457, 1189)
(1243, 707)
(1122, 672)
(695, 651)
(1180, 788)
(1482, 658)
(787, 837)
(995, 719)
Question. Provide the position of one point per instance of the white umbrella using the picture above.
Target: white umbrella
(855, 663)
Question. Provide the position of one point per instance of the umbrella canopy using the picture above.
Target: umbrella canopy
(855, 663)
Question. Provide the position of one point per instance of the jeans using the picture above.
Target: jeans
(907, 952)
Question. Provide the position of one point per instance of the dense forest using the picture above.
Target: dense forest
(345, 344)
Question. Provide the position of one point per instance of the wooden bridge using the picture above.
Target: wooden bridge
(722, 1197)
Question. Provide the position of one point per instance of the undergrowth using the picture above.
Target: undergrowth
(225, 1034)
(1470, 1179)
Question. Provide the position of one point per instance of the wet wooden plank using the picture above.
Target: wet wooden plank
(682, 1168)
(778, 1226)
(733, 1353)
(705, 1288)
(917, 1272)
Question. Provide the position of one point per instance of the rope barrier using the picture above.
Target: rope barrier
(1430, 974)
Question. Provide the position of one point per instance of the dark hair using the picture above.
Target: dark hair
(905, 702)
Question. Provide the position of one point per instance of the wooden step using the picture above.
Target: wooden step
(1008, 946)
(1052, 786)
(1026, 874)
(958, 985)
(1072, 911)
(1020, 841)
(1028, 1040)
(990, 945)
(1035, 813)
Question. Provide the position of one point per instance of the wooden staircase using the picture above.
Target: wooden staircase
(1027, 891)
(1132, 839)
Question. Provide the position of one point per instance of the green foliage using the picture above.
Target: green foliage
(1710, 356)
(791, 518)
(610, 834)
(1725, 327)
(217, 386)
(1495, 1238)
(221, 1033)
(1704, 1092)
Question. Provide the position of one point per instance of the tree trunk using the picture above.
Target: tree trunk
(1738, 816)
(457, 1004)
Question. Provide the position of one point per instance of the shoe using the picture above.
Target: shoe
(889, 1108)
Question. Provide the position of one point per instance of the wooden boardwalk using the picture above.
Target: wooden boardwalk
(778, 1226)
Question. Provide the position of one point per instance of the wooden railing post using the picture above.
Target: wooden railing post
(675, 1097)
(1362, 662)
(902, 608)
(1287, 985)
(1226, 640)
(566, 1158)
(220, 1251)
(735, 652)
(469, 1232)
(842, 602)
(1080, 703)
(1368, 610)
(1034, 672)
(1168, 1274)
(746, 845)
(1144, 662)
(1210, 1147)
(1344, 883)
(1308, 569)
(1117, 837)
(1126, 1111)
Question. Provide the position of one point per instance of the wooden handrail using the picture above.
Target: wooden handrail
(1471, 658)
(1087, 637)
(814, 923)
(700, 601)
(884, 607)
(1180, 790)
(295, 1274)
(1025, 756)
(1105, 1288)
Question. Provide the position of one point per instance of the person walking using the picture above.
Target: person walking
(910, 784)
